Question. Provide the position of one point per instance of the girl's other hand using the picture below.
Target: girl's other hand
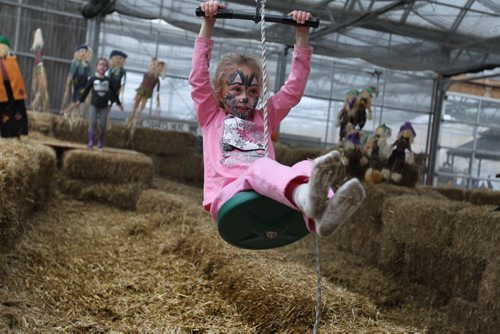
(300, 16)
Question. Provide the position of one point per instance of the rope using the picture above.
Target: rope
(318, 285)
(265, 93)
(266, 152)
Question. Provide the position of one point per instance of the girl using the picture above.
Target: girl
(233, 134)
(103, 96)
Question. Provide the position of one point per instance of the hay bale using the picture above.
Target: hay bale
(41, 122)
(429, 192)
(483, 197)
(281, 152)
(122, 196)
(450, 274)
(419, 220)
(489, 289)
(161, 142)
(75, 130)
(455, 194)
(188, 168)
(26, 175)
(110, 167)
(295, 155)
(158, 201)
(117, 136)
(361, 234)
(46, 174)
(392, 255)
(411, 221)
(473, 318)
(477, 232)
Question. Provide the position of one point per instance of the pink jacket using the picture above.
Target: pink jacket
(221, 165)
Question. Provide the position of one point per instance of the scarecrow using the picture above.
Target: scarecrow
(80, 71)
(118, 75)
(13, 117)
(39, 90)
(378, 150)
(150, 81)
(397, 159)
(117, 72)
(346, 114)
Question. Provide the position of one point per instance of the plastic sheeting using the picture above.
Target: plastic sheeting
(444, 36)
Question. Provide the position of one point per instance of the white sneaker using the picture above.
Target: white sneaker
(312, 198)
(341, 207)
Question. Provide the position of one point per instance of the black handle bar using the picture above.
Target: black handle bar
(229, 14)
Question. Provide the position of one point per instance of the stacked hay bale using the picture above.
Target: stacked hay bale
(174, 153)
(474, 196)
(361, 234)
(450, 247)
(76, 130)
(476, 290)
(289, 156)
(113, 177)
(444, 252)
(41, 122)
(26, 182)
(118, 136)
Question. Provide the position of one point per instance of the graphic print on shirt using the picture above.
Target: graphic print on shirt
(101, 87)
(242, 141)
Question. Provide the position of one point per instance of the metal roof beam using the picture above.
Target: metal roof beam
(461, 16)
(363, 17)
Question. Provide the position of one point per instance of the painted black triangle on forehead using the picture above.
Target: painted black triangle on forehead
(239, 78)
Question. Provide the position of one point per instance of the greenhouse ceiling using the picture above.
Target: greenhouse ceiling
(447, 37)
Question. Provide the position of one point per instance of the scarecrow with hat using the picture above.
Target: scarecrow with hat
(13, 117)
(397, 159)
(117, 74)
(365, 104)
(80, 72)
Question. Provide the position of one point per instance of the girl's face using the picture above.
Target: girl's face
(101, 67)
(240, 92)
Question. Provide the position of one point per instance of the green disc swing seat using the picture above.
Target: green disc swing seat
(252, 221)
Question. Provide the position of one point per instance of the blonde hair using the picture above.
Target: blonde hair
(153, 66)
(230, 63)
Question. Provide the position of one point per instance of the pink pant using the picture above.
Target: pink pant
(268, 178)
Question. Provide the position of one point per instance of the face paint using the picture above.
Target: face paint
(241, 93)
